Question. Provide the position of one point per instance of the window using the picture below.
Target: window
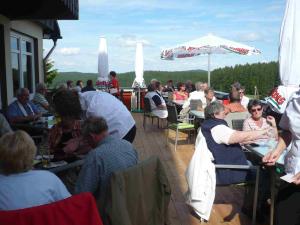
(22, 62)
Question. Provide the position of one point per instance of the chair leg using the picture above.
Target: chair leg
(255, 196)
(176, 139)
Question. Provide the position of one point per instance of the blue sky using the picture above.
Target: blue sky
(166, 23)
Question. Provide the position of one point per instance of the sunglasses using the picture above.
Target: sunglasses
(256, 110)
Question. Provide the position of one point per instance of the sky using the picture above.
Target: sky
(161, 24)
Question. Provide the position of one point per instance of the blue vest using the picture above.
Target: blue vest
(224, 154)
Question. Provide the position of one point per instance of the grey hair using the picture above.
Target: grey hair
(198, 86)
(212, 109)
(21, 91)
(40, 86)
(94, 125)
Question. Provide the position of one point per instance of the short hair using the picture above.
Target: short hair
(179, 85)
(89, 83)
(21, 91)
(41, 86)
(212, 109)
(17, 151)
(113, 73)
(254, 102)
(236, 85)
(207, 90)
(234, 96)
(156, 85)
(78, 82)
(198, 86)
(153, 81)
(94, 125)
(66, 104)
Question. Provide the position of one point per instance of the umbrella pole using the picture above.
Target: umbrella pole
(208, 70)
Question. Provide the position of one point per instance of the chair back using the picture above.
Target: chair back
(172, 113)
(236, 120)
(195, 103)
(75, 210)
(147, 105)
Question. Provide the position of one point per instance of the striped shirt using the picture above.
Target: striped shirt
(249, 124)
(39, 100)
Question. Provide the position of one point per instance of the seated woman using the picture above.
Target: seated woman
(235, 103)
(158, 104)
(224, 143)
(20, 186)
(65, 137)
(180, 94)
(257, 122)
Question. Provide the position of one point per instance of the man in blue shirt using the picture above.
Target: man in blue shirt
(22, 110)
(110, 154)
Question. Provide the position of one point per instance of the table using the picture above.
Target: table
(64, 167)
(197, 114)
(262, 149)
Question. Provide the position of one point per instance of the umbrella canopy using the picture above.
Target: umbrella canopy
(208, 44)
(289, 49)
(139, 67)
(103, 69)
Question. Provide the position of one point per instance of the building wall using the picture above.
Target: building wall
(30, 29)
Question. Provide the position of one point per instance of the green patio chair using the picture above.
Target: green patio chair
(178, 124)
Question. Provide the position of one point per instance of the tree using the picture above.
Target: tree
(50, 72)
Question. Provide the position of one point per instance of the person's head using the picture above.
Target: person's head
(188, 83)
(255, 108)
(242, 92)
(89, 83)
(41, 88)
(23, 95)
(79, 83)
(150, 87)
(198, 86)
(113, 74)
(157, 86)
(180, 86)
(234, 97)
(17, 151)
(69, 83)
(62, 86)
(236, 86)
(67, 105)
(153, 81)
(209, 93)
(214, 110)
(94, 129)
(170, 83)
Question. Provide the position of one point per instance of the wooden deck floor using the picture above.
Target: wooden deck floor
(152, 141)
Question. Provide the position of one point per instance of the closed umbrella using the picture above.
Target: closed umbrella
(103, 68)
(208, 45)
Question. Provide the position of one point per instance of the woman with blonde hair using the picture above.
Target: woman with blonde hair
(20, 186)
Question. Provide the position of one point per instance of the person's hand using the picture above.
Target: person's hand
(296, 179)
(270, 158)
(271, 120)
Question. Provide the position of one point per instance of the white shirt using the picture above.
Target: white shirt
(204, 101)
(101, 104)
(245, 101)
(221, 134)
(195, 95)
(290, 121)
(161, 113)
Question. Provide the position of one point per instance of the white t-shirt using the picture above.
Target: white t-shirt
(290, 121)
(195, 95)
(101, 104)
(161, 113)
(221, 134)
(245, 101)
(204, 101)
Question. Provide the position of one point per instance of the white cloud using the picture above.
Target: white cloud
(131, 40)
(251, 36)
(68, 51)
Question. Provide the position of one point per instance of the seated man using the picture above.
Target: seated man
(209, 97)
(198, 94)
(39, 98)
(158, 104)
(235, 103)
(109, 155)
(22, 110)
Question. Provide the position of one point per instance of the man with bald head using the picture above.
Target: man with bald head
(22, 110)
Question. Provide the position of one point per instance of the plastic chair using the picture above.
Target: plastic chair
(195, 104)
(176, 123)
(148, 112)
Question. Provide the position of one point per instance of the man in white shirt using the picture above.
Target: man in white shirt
(195, 95)
(119, 120)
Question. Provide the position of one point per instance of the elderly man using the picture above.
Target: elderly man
(39, 98)
(109, 155)
(22, 110)
(209, 97)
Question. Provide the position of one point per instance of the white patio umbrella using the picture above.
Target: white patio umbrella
(103, 68)
(289, 57)
(208, 45)
(139, 67)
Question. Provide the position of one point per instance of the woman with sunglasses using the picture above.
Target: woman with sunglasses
(257, 122)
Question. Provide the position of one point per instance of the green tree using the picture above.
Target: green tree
(50, 71)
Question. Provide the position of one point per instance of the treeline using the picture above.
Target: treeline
(262, 75)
